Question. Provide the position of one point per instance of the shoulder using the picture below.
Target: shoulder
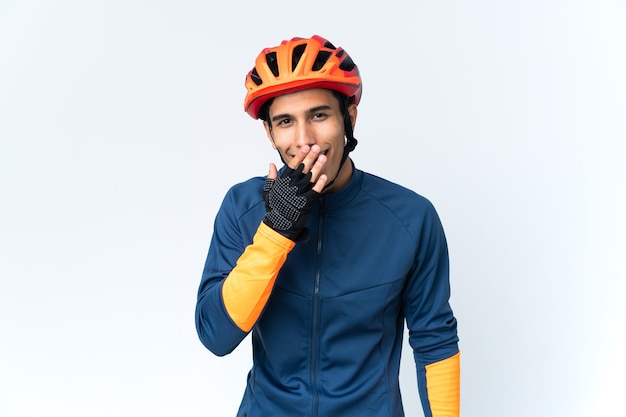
(241, 210)
(248, 186)
(415, 212)
(245, 195)
(389, 192)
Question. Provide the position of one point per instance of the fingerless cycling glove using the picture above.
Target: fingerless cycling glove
(288, 201)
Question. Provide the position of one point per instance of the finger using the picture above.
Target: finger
(321, 183)
(273, 173)
(311, 157)
(299, 157)
(316, 170)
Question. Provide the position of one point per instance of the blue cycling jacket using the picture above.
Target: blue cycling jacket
(327, 315)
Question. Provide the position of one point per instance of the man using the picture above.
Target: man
(323, 262)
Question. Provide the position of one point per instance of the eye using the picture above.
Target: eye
(319, 116)
(283, 122)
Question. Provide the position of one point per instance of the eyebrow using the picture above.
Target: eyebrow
(312, 110)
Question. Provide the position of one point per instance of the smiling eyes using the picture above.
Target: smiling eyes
(316, 117)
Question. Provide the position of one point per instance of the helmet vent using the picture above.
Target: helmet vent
(347, 64)
(320, 60)
(255, 77)
(339, 53)
(329, 45)
(272, 63)
(297, 54)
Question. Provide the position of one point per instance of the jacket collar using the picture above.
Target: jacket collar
(343, 197)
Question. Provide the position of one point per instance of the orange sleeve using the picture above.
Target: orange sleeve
(249, 285)
(443, 385)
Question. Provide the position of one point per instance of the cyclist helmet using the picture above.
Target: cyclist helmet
(298, 64)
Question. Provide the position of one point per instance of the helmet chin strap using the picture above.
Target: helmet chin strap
(351, 143)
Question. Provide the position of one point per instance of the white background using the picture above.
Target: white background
(121, 128)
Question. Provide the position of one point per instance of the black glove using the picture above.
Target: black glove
(288, 201)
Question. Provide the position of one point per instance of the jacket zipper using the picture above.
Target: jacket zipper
(316, 307)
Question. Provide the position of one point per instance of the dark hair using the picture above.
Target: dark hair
(264, 111)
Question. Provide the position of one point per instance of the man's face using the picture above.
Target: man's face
(310, 117)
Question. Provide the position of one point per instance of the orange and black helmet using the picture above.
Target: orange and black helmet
(299, 64)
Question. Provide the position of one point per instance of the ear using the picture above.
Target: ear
(268, 132)
(352, 111)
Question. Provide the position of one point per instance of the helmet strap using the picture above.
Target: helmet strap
(351, 141)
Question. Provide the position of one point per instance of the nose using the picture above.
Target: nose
(304, 135)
